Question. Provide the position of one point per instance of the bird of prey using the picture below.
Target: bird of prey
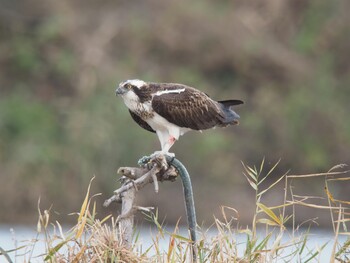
(171, 109)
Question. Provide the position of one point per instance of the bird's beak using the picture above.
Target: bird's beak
(120, 91)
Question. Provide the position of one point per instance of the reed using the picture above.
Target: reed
(267, 239)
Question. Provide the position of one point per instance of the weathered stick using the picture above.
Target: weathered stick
(126, 218)
(155, 168)
(134, 178)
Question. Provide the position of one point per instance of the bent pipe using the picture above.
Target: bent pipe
(188, 196)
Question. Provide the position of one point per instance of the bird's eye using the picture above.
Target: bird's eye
(128, 86)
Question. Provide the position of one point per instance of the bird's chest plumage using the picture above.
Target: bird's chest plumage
(144, 110)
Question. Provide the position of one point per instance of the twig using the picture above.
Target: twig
(139, 182)
(114, 198)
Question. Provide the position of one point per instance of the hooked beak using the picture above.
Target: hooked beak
(120, 91)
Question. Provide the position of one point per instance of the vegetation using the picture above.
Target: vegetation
(97, 240)
(60, 123)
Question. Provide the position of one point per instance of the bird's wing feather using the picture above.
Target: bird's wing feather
(141, 122)
(187, 107)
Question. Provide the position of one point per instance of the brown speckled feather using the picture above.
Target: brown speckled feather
(190, 108)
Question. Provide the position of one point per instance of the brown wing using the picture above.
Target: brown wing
(141, 122)
(190, 108)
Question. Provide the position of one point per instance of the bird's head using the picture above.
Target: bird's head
(129, 85)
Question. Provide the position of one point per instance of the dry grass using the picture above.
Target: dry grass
(97, 240)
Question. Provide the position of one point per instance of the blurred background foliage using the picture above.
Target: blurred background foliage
(60, 122)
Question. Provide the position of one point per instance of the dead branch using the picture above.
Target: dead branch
(133, 179)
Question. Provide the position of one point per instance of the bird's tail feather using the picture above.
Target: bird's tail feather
(228, 103)
(231, 117)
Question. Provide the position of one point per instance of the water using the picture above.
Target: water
(17, 236)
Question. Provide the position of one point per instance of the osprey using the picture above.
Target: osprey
(170, 109)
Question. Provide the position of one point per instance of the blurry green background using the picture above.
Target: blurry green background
(61, 124)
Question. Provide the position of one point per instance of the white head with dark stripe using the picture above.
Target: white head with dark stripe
(131, 92)
(128, 85)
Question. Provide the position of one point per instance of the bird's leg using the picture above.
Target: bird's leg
(167, 145)
(166, 141)
(171, 140)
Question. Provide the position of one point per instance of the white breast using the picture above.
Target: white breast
(160, 123)
(131, 100)
(157, 122)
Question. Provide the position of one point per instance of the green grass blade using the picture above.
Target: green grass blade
(262, 165)
(303, 245)
(267, 222)
(181, 238)
(270, 213)
(252, 184)
(272, 185)
(315, 254)
(54, 250)
(269, 172)
(263, 243)
(251, 172)
(343, 248)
